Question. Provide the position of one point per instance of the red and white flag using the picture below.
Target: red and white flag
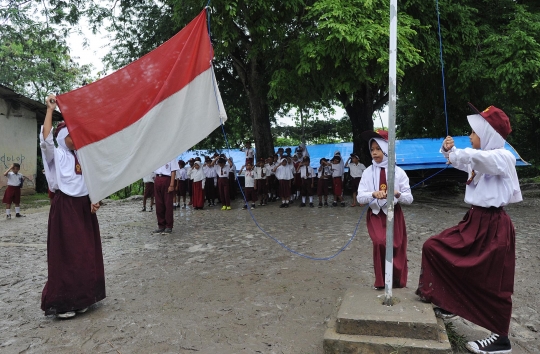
(137, 119)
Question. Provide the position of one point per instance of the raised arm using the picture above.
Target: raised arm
(51, 106)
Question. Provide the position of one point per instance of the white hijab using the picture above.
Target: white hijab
(383, 144)
(197, 174)
(68, 181)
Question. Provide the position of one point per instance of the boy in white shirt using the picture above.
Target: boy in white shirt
(308, 181)
(355, 171)
(12, 194)
(250, 186)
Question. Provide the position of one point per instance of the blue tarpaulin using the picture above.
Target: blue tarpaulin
(411, 154)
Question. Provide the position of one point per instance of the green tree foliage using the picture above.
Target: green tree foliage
(316, 131)
(345, 48)
(34, 57)
(491, 57)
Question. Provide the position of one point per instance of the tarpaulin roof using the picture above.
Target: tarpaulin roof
(411, 154)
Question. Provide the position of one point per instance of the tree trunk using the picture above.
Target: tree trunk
(257, 90)
(360, 111)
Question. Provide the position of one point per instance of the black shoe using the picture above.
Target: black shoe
(244, 207)
(167, 231)
(8, 217)
(282, 205)
(342, 204)
(492, 344)
(158, 231)
(443, 314)
(18, 215)
(334, 204)
(151, 210)
(320, 205)
(286, 205)
(302, 205)
(311, 205)
(326, 204)
(143, 209)
(253, 206)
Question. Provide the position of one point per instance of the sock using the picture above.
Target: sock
(17, 210)
(303, 199)
(282, 202)
(286, 202)
(8, 211)
(311, 199)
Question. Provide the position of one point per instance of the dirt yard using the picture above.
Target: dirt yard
(218, 284)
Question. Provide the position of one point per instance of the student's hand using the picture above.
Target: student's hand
(50, 101)
(94, 207)
(397, 194)
(171, 189)
(379, 194)
(448, 143)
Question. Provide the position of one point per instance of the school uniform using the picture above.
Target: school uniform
(284, 176)
(76, 276)
(297, 180)
(223, 183)
(210, 191)
(199, 181)
(232, 182)
(148, 181)
(250, 155)
(468, 269)
(12, 194)
(306, 176)
(261, 174)
(325, 173)
(355, 171)
(249, 182)
(164, 198)
(189, 183)
(182, 178)
(374, 179)
(337, 178)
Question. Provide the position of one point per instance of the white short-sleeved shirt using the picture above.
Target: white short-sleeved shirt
(303, 171)
(14, 179)
(284, 172)
(249, 178)
(168, 168)
(181, 174)
(222, 172)
(149, 178)
(356, 170)
(249, 153)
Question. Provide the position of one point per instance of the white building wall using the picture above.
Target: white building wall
(18, 143)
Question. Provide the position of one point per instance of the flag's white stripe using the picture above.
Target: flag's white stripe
(166, 131)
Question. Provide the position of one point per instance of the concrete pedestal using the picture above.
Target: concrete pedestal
(364, 325)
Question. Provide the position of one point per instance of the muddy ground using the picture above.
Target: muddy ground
(218, 284)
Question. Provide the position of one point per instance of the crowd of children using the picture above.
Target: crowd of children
(284, 176)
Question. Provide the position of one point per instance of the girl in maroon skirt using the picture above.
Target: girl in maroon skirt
(468, 270)
(76, 277)
(373, 190)
(198, 177)
(284, 175)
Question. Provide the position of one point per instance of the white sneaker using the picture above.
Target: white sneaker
(82, 310)
(66, 315)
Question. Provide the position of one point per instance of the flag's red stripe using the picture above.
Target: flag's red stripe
(113, 103)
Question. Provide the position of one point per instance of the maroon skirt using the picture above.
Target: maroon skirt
(197, 197)
(376, 225)
(284, 188)
(12, 195)
(469, 269)
(76, 277)
(338, 185)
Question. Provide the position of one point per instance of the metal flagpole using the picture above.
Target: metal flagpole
(390, 176)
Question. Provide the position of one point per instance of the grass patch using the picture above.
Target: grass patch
(34, 200)
(457, 341)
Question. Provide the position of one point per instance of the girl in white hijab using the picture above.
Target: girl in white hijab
(76, 277)
(372, 190)
(468, 270)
